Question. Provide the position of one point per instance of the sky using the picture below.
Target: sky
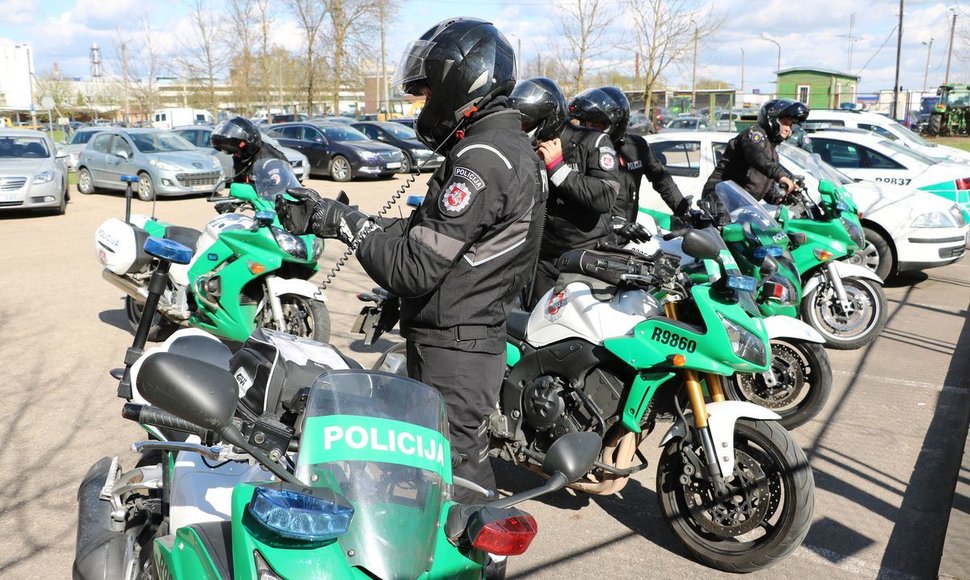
(810, 32)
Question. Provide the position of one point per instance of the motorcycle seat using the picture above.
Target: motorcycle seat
(516, 324)
(188, 237)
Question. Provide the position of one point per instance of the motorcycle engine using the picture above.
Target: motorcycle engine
(554, 407)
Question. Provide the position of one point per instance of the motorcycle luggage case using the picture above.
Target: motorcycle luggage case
(119, 247)
(272, 367)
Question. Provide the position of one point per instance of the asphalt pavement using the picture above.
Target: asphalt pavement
(887, 451)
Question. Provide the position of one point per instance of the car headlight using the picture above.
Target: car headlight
(369, 155)
(292, 245)
(163, 165)
(44, 177)
(216, 164)
(856, 234)
(745, 344)
(421, 152)
(957, 216)
(934, 219)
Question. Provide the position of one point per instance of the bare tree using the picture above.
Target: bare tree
(203, 54)
(585, 28)
(348, 20)
(264, 11)
(240, 39)
(666, 33)
(310, 15)
(387, 9)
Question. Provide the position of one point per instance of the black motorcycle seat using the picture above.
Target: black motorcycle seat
(188, 237)
(516, 324)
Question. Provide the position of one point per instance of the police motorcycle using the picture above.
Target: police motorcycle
(799, 381)
(246, 272)
(288, 460)
(624, 343)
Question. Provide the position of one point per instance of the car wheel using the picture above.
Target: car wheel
(85, 183)
(340, 169)
(405, 164)
(878, 254)
(146, 189)
(62, 208)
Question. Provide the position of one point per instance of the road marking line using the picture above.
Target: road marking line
(903, 382)
(856, 566)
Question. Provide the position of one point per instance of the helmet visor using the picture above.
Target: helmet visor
(411, 67)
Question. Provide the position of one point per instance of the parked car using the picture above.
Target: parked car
(286, 118)
(200, 137)
(32, 172)
(334, 119)
(76, 143)
(906, 229)
(165, 164)
(887, 128)
(725, 121)
(687, 124)
(871, 157)
(404, 138)
(339, 151)
(406, 121)
(640, 125)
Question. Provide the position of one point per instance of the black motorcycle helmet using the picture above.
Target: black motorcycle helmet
(775, 109)
(542, 106)
(465, 62)
(237, 136)
(607, 106)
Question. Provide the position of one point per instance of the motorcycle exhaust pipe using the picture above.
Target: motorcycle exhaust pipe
(138, 293)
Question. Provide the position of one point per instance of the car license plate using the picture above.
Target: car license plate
(394, 165)
(202, 187)
(9, 197)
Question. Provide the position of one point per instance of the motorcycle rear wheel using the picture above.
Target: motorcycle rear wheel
(804, 376)
(161, 327)
(766, 516)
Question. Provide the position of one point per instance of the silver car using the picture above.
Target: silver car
(199, 136)
(32, 172)
(165, 164)
(76, 144)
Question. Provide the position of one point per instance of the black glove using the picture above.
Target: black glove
(630, 231)
(332, 219)
(684, 206)
(295, 215)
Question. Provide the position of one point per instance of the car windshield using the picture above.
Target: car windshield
(159, 142)
(400, 131)
(904, 151)
(813, 165)
(380, 441)
(906, 134)
(82, 137)
(742, 208)
(22, 148)
(340, 133)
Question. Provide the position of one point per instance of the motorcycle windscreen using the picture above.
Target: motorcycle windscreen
(380, 440)
(743, 209)
(273, 176)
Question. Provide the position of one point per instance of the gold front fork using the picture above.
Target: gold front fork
(692, 382)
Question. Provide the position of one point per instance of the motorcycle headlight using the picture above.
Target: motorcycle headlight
(934, 219)
(316, 250)
(44, 177)
(855, 232)
(957, 216)
(299, 516)
(745, 344)
(292, 245)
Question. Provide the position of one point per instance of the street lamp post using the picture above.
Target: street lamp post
(926, 71)
(775, 42)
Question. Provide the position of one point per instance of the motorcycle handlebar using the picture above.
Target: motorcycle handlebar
(148, 415)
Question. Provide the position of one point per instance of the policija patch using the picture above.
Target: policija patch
(607, 158)
(457, 195)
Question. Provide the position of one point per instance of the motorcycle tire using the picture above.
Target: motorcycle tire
(769, 463)
(804, 375)
(161, 327)
(305, 317)
(843, 332)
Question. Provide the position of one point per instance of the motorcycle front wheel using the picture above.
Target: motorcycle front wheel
(161, 327)
(802, 382)
(764, 516)
(851, 328)
(305, 317)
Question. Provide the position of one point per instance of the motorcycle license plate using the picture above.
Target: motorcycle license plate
(16, 197)
(394, 165)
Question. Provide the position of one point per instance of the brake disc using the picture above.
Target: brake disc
(744, 508)
(789, 368)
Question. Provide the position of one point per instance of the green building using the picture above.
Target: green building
(818, 88)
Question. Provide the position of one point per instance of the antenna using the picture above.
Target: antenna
(852, 39)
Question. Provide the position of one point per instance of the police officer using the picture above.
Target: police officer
(799, 138)
(464, 255)
(751, 158)
(239, 138)
(607, 109)
(582, 170)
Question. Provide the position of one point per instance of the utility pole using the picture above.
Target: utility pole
(899, 50)
(742, 71)
(693, 77)
(124, 77)
(949, 51)
(851, 41)
(382, 88)
(926, 71)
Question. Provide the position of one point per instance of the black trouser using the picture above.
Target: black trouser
(546, 275)
(469, 382)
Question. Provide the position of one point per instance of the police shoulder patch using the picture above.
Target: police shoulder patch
(607, 158)
(460, 191)
(756, 136)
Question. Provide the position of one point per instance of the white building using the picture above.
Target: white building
(16, 70)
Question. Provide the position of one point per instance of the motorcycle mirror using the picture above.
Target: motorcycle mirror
(768, 266)
(573, 455)
(200, 393)
(702, 244)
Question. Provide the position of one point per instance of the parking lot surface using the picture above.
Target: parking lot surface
(886, 451)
